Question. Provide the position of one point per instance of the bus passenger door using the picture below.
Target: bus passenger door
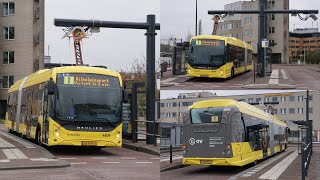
(264, 140)
(29, 114)
(45, 123)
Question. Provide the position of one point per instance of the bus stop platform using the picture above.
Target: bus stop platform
(18, 153)
(283, 166)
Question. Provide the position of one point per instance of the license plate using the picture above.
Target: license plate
(206, 161)
(89, 143)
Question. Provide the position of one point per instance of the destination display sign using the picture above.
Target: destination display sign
(92, 80)
(209, 42)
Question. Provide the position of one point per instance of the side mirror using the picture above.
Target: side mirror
(50, 87)
(125, 96)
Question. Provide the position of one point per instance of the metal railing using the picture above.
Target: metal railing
(305, 160)
(136, 132)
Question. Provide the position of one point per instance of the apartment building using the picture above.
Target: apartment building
(21, 42)
(291, 107)
(245, 27)
(303, 41)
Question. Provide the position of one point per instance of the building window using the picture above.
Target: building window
(8, 33)
(168, 115)
(8, 57)
(248, 32)
(186, 103)
(291, 98)
(282, 99)
(300, 98)
(258, 100)
(162, 104)
(167, 104)
(291, 111)
(174, 104)
(310, 97)
(248, 20)
(271, 17)
(271, 30)
(174, 114)
(271, 3)
(266, 99)
(7, 81)
(310, 110)
(8, 8)
(274, 99)
(300, 110)
(250, 100)
(283, 111)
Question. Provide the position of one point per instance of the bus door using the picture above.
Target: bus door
(264, 131)
(45, 123)
(207, 134)
(29, 114)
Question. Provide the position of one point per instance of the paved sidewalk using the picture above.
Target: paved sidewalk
(18, 153)
(142, 147)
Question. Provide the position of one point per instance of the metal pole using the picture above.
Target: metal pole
(151, 77)
(134, 114)
(174, 60)
(302, 163)
(196, 18)
(171, 154)
(261, 36)
(254, 73)
(304, 55)
(307, 118)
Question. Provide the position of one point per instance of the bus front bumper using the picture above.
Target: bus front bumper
(85, 142)
(206, 73)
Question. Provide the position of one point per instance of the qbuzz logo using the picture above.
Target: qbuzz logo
(193, 141)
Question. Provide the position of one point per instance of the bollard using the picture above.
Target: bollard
(170, 154)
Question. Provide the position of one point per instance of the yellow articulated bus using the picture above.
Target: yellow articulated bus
(214, 56)
(75, 105)
(224, 132)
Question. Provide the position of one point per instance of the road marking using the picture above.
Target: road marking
(5, 160)
(146, 162)
(173, 158)
(9, 154)
(128, 158)
(273, 81)
(18, 153)
(251, 171)
(110, 162)
(274, 74)
(43, 159)
(25, 144)
(67, 158)
(4, 143)
(278, 169)
(79, 163)
(284, 75)
(168, 80)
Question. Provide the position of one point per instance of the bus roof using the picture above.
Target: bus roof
(45, 74)
(243, 107)
(228, 40)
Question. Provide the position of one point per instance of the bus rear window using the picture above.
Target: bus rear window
(206, 115)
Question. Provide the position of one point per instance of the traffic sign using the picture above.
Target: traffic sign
(265, 43)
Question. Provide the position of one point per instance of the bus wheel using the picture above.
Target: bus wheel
(232, 73)
(255, 162)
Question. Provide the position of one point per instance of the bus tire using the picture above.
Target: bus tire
(232, 72)
(38, 136)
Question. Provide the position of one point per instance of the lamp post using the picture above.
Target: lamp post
(196, 32)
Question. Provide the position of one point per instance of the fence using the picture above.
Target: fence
(306, 153)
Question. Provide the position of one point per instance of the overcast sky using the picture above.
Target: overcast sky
(168, 94)
(178, 16)
(114, 48)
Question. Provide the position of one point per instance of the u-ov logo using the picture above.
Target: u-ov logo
(192, 141)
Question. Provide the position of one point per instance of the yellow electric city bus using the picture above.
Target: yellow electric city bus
(214, 56)
(75, 105)
(224, 132)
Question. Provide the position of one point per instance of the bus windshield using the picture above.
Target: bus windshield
(88, 98)
(206, 115)
(207, 52)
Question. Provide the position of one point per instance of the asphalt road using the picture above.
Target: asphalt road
(301, 76)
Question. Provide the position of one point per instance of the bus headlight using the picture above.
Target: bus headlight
(118, 134)
(221, 72)
(56, 132)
